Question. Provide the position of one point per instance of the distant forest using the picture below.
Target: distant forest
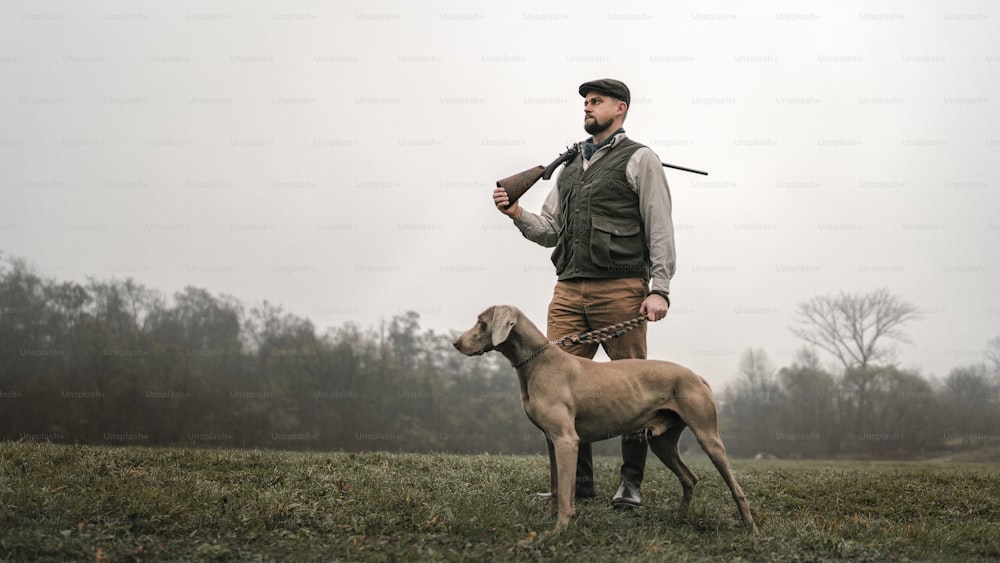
(114, 362)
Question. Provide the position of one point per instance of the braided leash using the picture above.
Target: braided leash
(601, 334)
(594, 336)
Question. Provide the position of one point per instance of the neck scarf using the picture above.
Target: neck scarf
(589, 147)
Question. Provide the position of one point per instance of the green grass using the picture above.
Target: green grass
(91, 502)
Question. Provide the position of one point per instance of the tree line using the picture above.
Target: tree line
(115, 362)
(862, 404)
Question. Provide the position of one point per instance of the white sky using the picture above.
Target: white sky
(339, 159)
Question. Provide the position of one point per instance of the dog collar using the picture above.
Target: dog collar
(533, 355)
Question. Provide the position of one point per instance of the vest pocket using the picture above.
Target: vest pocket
(616, 244)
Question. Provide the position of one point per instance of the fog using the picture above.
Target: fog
(338, 159)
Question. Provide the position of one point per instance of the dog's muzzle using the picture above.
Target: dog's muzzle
(459, 345)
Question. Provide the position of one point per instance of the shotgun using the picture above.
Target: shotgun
(519, 183)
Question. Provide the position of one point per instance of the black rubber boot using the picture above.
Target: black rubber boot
(634, 450)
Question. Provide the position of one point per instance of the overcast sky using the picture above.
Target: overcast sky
(339, 159)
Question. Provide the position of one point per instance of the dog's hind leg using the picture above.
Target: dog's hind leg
(711, 441)
(665, 448)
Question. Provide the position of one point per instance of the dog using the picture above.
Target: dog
(574, 400)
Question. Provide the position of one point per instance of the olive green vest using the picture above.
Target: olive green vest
(601, 232)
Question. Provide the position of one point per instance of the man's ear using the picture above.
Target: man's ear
(504, 319)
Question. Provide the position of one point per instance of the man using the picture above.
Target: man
(609, 221)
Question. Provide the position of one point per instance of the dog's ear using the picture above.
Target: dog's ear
(504, 319)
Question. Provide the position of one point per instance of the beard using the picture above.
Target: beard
(595, 127)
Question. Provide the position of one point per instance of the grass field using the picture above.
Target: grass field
(120, 504)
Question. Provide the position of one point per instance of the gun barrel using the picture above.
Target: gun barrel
(684, 168)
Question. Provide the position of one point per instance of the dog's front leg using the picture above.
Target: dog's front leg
(567, 447)
(553, 477)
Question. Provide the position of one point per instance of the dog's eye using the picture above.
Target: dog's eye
(481, 325)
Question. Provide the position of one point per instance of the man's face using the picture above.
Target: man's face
(599, 112)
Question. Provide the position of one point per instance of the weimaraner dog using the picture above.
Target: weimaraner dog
(576, 400)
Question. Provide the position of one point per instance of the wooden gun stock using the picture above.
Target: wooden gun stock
(516, 185)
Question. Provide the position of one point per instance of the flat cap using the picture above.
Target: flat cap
(608, 87)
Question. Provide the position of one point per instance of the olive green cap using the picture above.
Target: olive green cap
(608, 87)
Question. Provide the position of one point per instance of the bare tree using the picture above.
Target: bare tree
(751, 405)
(993, 355)
(851, 327)
(757, 370)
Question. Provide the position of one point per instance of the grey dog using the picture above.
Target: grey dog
(575, 400)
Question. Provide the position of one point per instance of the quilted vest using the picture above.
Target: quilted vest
(601, 232)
